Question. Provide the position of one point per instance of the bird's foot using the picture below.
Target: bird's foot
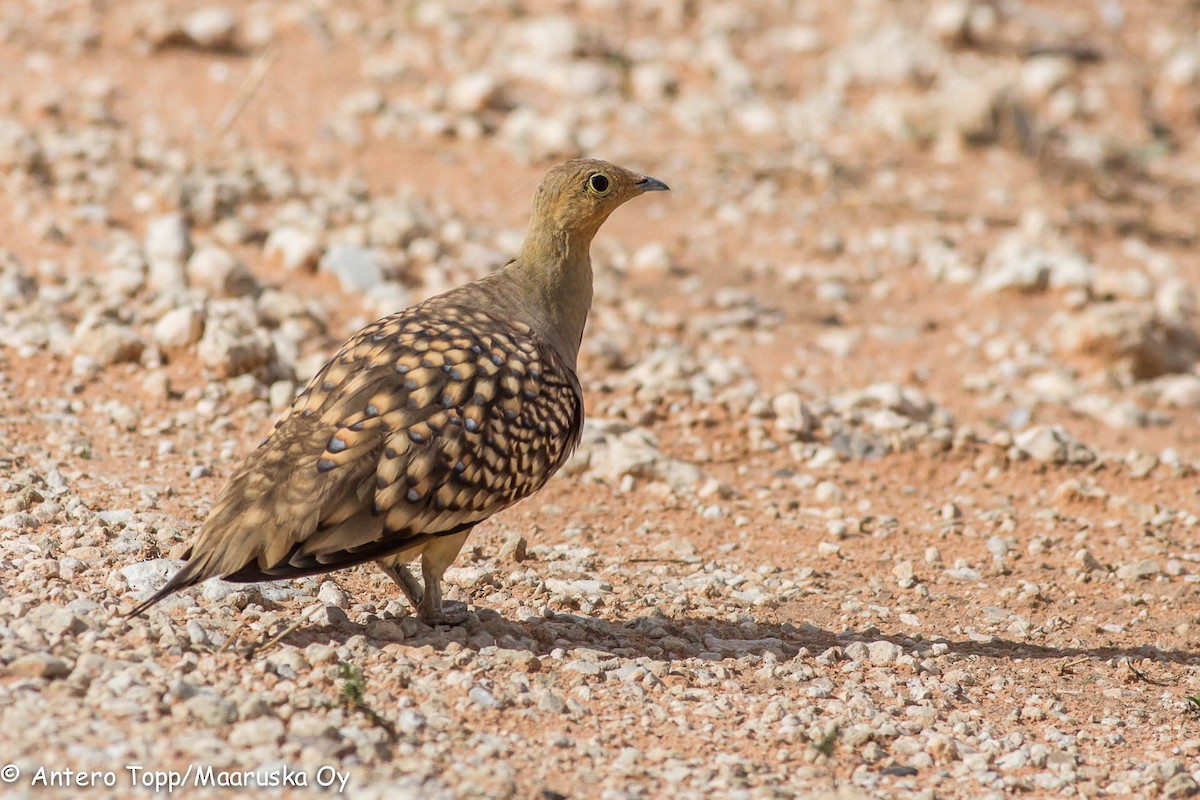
(451, 613)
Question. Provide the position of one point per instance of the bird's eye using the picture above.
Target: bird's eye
(599, 184)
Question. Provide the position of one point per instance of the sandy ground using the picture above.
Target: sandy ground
(892, 491)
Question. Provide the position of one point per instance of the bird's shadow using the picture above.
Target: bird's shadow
(677, 638)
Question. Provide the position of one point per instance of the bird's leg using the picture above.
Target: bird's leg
(405, 580)
(439, 555)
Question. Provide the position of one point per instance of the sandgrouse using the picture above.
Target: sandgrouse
(428, 421)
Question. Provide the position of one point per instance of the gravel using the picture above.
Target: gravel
(167, 246)
(887, 484)
(356, 268)
(211, 28)
(295, 248)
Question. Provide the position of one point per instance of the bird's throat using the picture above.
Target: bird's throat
(555, 269)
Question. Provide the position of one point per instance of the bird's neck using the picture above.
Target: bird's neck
(555, 271)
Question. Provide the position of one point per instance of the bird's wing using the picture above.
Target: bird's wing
(423, 424)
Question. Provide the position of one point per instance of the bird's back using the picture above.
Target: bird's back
(424, 423)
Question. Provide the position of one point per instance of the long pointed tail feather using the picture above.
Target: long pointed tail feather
(190, 574)
(200, 567)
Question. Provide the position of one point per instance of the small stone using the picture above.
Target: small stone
(57, 620)
(167, 245)
(179, 327)
(1167, 768)
(1017, 759)
(792, 416)
(410, 722)
(856, 651)
(234, 342)
(1130, 334)
(653, 81)
(828, 493)
(652, 258)
(319, 654)
(210, 709)
(964, 574)
(181, 689)
(387, 298)
(1088, 562)
(514, 549)
(1139, 570)
(482, 697)
(583, 667)
(219, 272)
(839, 343)
(588, 589)
(117, 516)
(386, 630)
(474, 92)
(551, 703)
(356, 268)
(828, 548)
(253, 732)
(948, 21)
(197, 634)
(333, 595)
(1017, 263)
(1052, 444)
(1179, 391)
(1041, 75)
(108, 342)
(997, 546)
(1181, 785)
(280, 394)
(610, 450)
(293, 247)
(307, 725)
(1141, 464)
(211, 28)
(18, 521)
(469, 576)
(38, 665)
(145, 577)
(883, 652)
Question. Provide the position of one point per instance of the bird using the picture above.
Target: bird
(427, 421)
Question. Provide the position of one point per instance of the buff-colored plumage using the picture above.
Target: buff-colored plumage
(427, 421)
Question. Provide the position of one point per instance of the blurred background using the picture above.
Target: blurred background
(991, 197)
(893, 397)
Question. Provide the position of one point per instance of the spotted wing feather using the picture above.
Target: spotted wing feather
(424, 424)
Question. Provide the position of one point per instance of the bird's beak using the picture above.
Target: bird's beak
(648, 184)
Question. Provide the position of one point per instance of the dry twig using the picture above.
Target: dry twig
(1139, 675)
(1066, 667)
(246, 91)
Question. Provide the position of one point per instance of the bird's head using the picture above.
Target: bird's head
(577, 196)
